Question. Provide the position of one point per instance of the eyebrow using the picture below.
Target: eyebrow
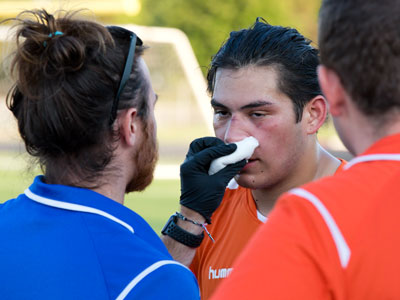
(254, 104)
(217, 104)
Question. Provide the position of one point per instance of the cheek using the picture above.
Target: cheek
(277, 138)
(267, 132)
(219, 130)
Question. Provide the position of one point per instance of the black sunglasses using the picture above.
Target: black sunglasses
(122, 33)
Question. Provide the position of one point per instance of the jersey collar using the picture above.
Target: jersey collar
(387, 148)
(80, 199)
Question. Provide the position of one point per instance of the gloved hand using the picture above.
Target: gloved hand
(201, 192)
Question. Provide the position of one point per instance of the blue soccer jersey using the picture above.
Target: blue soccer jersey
(62, 242)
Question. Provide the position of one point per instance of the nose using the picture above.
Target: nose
(235, 131)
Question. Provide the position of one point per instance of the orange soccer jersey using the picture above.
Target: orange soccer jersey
(234, 223)
(337, 238)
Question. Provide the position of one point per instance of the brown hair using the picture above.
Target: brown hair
(360, 41)
(282, 47)
(64, 90)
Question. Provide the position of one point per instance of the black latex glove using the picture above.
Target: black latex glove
(199, 191)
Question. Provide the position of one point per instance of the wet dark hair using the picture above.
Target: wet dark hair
(281, 47)
(360, 41)
(67, 74)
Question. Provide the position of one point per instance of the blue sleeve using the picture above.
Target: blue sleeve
(170, 281)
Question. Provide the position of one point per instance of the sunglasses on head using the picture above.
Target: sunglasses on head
(122, 33)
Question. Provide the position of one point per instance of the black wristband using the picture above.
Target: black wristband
(180, 235)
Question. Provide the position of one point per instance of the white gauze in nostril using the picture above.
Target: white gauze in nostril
(244, 150)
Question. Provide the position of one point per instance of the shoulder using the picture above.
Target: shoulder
(138, 261)
(138, 265)
(322, 213)
(166, 279)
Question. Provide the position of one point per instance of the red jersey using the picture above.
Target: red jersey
(337, 238)
(234, 223)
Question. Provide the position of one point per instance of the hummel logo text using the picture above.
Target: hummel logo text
(219, 273)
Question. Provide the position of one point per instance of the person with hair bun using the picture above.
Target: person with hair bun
(85, 110)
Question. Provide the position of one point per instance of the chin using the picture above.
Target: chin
(246, 181)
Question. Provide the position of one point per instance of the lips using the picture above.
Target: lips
(250, 162)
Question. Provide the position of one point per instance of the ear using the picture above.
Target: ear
(128, 126)
(333, 90)
(314, 113)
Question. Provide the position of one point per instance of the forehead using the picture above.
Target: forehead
(246, 84)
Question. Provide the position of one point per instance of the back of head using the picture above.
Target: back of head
(360, 41)
(281, 47)
(67, 72)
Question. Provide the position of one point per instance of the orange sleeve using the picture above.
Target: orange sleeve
(285, 259)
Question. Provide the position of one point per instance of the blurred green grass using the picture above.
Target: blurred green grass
(155, 204)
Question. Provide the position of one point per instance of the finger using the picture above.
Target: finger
(206, 156)
(202, 143)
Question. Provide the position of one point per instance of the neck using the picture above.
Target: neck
(110, 183)
(359, 131)
(115, 181)
(113, 189)
(319, 163)
(105, 185)
(371, 132)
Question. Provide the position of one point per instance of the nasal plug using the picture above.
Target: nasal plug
(244, 150)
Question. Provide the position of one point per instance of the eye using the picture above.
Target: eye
(220, 113)
(258, 114)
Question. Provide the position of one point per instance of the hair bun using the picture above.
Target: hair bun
(50, 48)
(63, 53)
(48, 45)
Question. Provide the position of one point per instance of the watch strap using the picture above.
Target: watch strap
(181, 235)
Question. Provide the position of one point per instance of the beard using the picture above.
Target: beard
(145, 160)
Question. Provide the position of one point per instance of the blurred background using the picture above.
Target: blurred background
(182, 35)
